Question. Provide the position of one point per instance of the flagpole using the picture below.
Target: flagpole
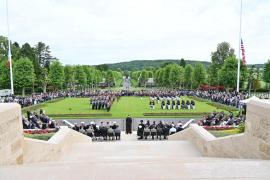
(9, 51)
(240, 34)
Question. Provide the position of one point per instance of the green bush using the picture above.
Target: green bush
(222, 106)
(241, 127)
(198, 99)
(79, 115)
(177, 114)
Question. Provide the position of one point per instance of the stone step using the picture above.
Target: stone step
(130, 151)
(194, 168)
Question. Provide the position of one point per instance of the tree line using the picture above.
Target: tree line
(36, 70)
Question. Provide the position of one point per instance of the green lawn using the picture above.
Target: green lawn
(135, 106)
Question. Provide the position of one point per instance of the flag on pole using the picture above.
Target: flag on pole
(243, 53)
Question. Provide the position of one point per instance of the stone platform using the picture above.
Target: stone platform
(130, 159)
(191, 154)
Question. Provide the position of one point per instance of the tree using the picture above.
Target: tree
(166, 75)
(251, 78)
(110, 78)
(228, 73)
(80, 77)
(174, 75)
(266, 73)
(3, 48)
(188, 76)
(118, 77)
(4, 75)
(182, 63)
(150, 74)
(28, 52)
(44, 79)
(199, 75)
(218, 57)
(223, 51)
(23, 74)
(15, 47)
(69, 77)
(102, 67)
(181, 76)
(160, 76)
(143, 78)
(43, 54)
(56, 75)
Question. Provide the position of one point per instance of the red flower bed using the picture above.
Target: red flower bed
(217, 128)
(39, 131)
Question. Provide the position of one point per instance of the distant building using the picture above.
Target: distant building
(126, 83)
(150, 82)
(104, 84)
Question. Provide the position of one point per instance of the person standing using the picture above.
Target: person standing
(128, 125)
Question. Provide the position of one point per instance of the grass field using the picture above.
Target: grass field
(135, 106)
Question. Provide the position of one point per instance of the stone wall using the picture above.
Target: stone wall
(11, 134)
(254, 143)
(42, 151)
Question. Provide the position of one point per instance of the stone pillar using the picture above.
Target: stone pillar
(11, 134)
(258, 128)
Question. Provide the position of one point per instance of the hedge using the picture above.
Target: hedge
(177, 114)
(198, 99)
(222, 106)
(79, 115)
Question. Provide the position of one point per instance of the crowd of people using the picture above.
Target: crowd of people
(32, 99)
(155, 130)
(227, 98)
(103, 99)
(38, 121)
(220, 119)
(103, 131)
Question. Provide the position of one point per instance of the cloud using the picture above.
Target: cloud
(105, 31)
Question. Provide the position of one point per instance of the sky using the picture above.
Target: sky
(108, 31)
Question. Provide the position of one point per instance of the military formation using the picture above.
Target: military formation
(102, 101)
(171, 103)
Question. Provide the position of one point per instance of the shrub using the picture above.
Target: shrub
(222, 106)
(198, 99)
(79, 115)
(177, 114)
(241, 127)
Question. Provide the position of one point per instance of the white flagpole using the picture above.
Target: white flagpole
(240, 34)
(9, 51)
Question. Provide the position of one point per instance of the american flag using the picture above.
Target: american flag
(243, 53)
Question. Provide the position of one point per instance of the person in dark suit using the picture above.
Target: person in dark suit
(128, 125)
(140, 130)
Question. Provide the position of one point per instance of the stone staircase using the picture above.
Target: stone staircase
(133, 159)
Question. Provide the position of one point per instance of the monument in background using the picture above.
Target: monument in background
(126, 83)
